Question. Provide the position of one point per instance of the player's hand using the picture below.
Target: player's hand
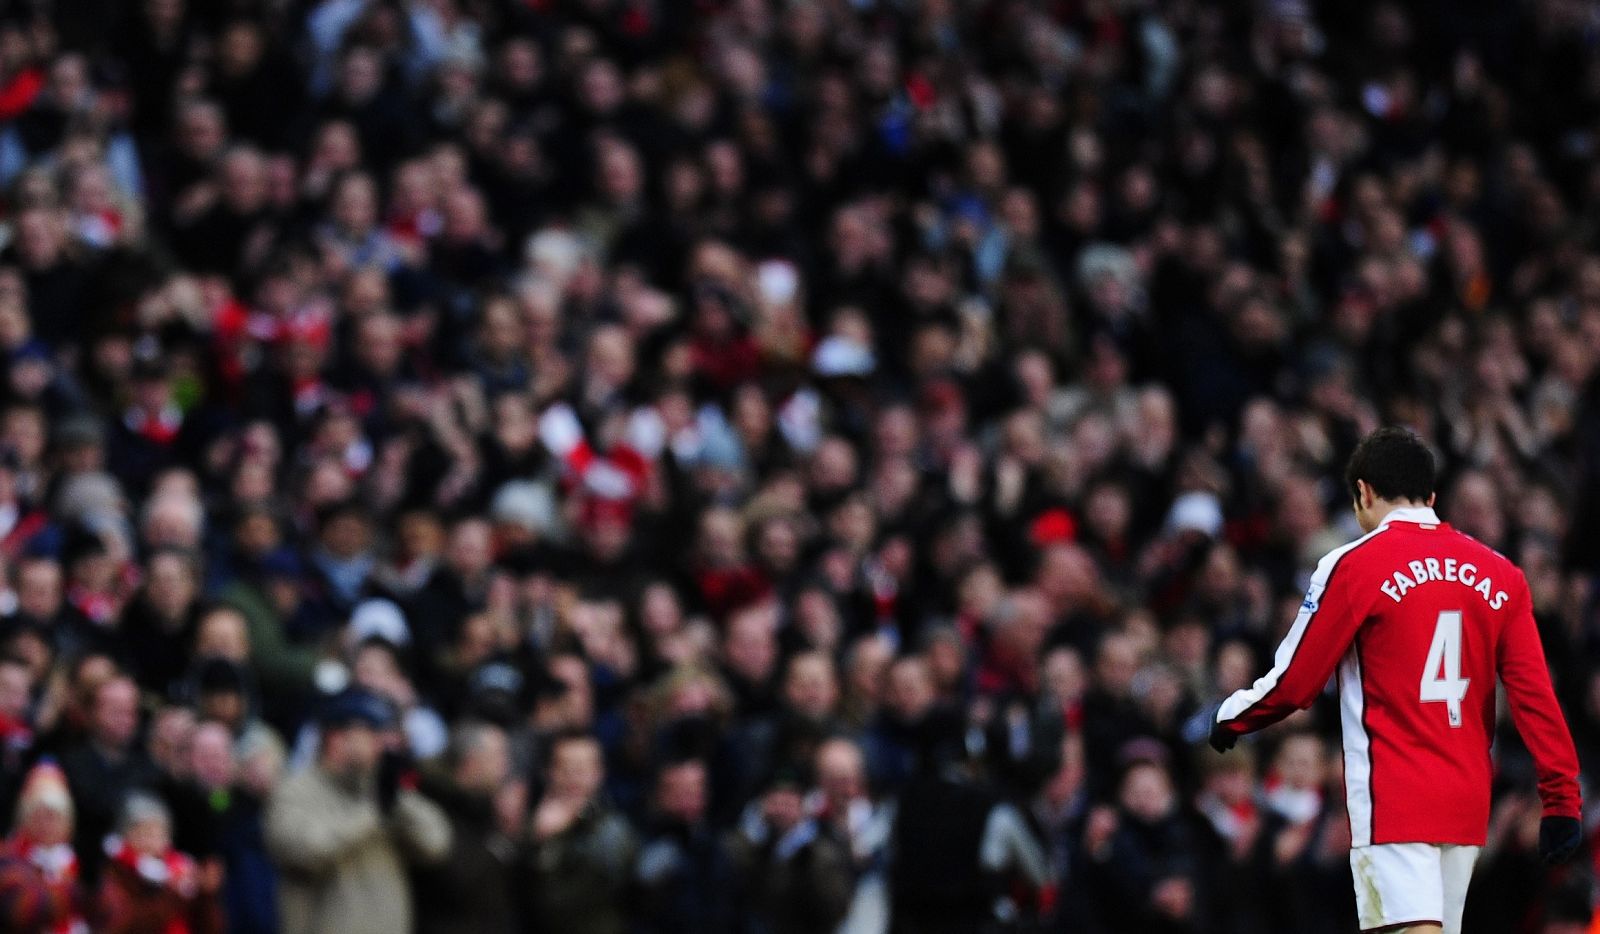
(1559, 838)
(1222, 739)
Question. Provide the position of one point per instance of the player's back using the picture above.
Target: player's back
(1418, 685)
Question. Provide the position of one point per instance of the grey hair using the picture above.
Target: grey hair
(139, 807)
(187, 508)
(469, 737)
(88, 496)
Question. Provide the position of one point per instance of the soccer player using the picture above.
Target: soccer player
(1418, 618)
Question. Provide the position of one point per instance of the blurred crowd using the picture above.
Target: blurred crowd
(756, 466)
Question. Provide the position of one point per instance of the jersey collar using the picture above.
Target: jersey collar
(1423, 515)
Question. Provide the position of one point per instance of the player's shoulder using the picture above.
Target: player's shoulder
(1352, 554)
(1466, 545)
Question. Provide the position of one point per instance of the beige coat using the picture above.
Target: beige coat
(342, 862)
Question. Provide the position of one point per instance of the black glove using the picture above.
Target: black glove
(1559, 838)
(393, 771)
(1221, 739)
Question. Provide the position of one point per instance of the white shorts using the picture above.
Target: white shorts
(1411, 883)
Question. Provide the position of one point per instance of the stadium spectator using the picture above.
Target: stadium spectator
(685, 872)
(579, 859)
(40, 888)
(473, 888)
(347, 827)
(105, 767)
(147, 886)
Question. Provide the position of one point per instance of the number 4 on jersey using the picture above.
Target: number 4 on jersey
(1441, 676)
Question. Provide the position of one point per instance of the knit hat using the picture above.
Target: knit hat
(45, 787)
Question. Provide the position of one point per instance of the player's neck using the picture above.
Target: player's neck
(1382, 508)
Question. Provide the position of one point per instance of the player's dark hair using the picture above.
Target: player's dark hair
(1395, 463)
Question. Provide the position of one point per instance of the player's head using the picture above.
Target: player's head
(1390, 467)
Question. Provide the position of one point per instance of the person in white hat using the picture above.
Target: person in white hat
(39, 888)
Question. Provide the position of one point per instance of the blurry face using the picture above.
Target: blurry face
(355, 207)
(33, 651)
(681, 792)
(170, 738)
(170, 586)
(1300, 762)
(211, 756)
(574, 707)
(24, 433)
(346, 536)
(240, 49)
(869, 667)
(489, 765)
(360, 75)
(201, 131)
(502, 329)
(1064, 675)
(39, 589)
(834, 466)
(470, 549)
(840, 771)
(1109, 512)
(610, 357)
(1233, 785)
(225, 707)
(420, 536)
(720, 534)
(751, 648)
(810, 687)
(1118, 662)
(39, 237)
(222, 634)
(577, 770)
(244, 182)
(16, 683)
(1234, 667)
(352, 751)
(381, 347)
(911, 690)
(818, 620)
(476, 643)
(1147, 793)
(116, 713)
(660, 611)
(47, 826)
(257, 533)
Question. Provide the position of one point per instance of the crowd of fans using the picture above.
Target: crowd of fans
(755, 466)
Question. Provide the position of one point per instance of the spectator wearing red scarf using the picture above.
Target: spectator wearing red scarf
(39, 891)
(147, 886)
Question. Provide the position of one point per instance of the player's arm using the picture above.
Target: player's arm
(1333, 611)
(1521, 664)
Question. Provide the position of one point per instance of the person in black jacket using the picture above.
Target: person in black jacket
(160, 623)
(957, 850)
(470, 892)
(1144, 858)
(105, 767)
(685, 873)
(578, 863)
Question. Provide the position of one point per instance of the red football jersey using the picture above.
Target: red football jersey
(1419, 619)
